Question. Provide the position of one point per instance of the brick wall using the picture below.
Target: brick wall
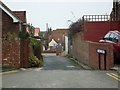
(15, 53)
(94, 30)
(86, 52)
(24, 53)
(0, 38)
(80, 48)
(94, 56)
(115, 25)
(11, 53)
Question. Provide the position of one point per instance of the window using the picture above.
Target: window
(111, 37)
(106, 37)
(115, 39)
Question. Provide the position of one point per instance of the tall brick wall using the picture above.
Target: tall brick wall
(115, 25)
(24, 53)
(94, 30)
(86, 52)
(80, 49)
(11, 53)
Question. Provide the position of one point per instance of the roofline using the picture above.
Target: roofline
(19, 11)
(9, 12)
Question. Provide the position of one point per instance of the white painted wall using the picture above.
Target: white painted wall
(43, 48)
(53, 43)
(66, 44)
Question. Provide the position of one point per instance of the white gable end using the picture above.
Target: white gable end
(12, 16)
(52, 43)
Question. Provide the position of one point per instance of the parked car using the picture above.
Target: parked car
(113, 37)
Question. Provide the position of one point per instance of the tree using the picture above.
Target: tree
(40, 35)
(31, 29)
(76, 26)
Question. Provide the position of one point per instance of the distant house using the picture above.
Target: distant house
(36, 31)
(57, 37)
(52, 44)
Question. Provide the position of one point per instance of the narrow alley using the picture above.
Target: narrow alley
(53, 62)
(61, 45)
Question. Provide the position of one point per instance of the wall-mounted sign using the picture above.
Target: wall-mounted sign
(57, 46)
(101, 51)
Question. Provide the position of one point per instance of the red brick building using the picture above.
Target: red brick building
(12, 22)
(58, 35)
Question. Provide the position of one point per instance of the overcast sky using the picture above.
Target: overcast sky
(57, 12)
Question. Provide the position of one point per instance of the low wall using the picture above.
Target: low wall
(11, 53)
(101, 61)
(86, 52)
(49, 51)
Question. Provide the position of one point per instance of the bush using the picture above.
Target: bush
(24, 35)
(36, 45)
(34, 61)
(33, 42)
